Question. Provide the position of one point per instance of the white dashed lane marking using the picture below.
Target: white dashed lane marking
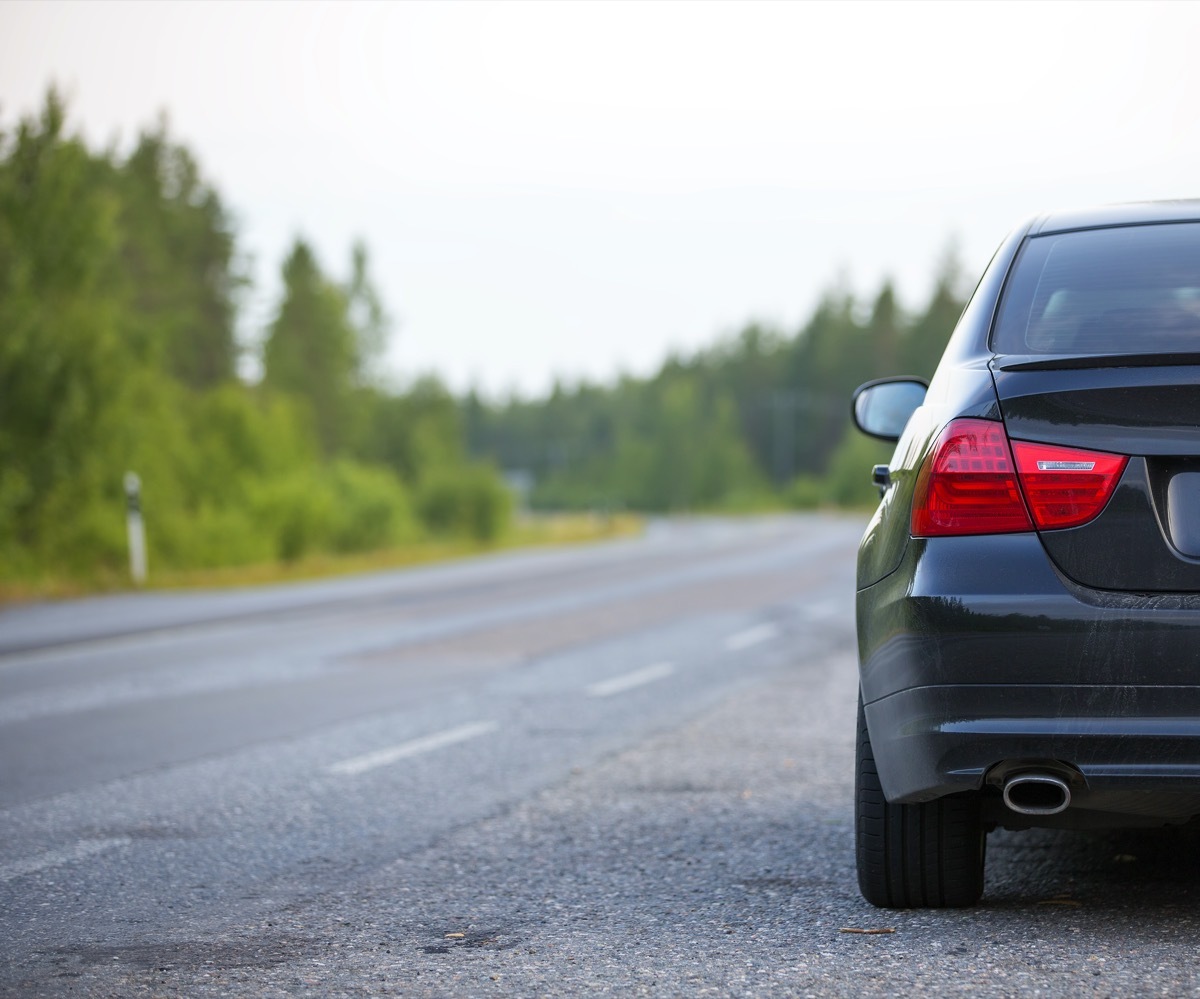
(628, 681)
(416, 747)
(751, 636)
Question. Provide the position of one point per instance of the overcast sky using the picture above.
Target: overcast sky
(575, 189)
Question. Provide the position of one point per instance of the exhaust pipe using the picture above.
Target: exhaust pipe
(1037, 794)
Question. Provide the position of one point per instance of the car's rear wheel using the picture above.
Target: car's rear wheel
(912, 856)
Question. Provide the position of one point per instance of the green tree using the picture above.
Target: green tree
(884, 332)
(368, 317)
(413, 432)
(927, 337)
(693, 456)
(179, 263)
(61, 353)
(310, 349)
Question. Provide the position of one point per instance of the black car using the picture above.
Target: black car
(1029, 588)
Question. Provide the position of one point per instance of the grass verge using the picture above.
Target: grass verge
(528, 531)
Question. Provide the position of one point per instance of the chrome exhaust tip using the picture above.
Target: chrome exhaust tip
(1037, 794)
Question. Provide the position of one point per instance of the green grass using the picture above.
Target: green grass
(527, 531)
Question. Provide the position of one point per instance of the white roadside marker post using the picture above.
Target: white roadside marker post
(137, 530)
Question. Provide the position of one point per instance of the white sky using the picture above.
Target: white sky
(574, 189)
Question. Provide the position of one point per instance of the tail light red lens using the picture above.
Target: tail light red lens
(1066, 486)
(968, 484)
(971, 484)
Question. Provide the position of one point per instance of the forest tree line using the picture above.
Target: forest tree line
(760, 419)
(121, 283)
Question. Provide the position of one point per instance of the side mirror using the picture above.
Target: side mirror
(881, 408)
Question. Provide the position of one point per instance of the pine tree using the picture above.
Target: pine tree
(310, 349)
(178, 251)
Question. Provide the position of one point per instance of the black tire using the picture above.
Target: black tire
(914, 856)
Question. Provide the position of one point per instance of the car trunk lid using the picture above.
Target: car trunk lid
(1147, 539)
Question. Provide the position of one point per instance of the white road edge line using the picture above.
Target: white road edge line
(751, 636)
(416, 747)
(57, 858)
(628, 681)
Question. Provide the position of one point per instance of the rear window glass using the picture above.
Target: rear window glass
(1134, 290)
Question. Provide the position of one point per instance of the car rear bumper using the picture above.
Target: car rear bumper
(931, 741)
(977, 653)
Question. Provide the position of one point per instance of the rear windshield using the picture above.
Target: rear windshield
(1133, 290)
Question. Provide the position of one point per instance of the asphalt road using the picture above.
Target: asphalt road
(614, 770)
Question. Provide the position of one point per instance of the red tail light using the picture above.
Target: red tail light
(1066, 486)
(968, 484)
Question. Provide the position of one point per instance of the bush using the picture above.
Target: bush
(848, 480)
(806, 492)
(295, 512)
(468, 499)
(371, 508)
(343, 507)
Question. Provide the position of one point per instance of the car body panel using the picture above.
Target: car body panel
(1127, 410)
